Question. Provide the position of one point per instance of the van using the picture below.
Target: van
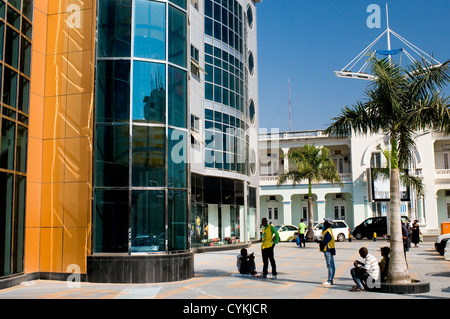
(373, 225)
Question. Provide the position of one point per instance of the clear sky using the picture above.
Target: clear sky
(307, 40)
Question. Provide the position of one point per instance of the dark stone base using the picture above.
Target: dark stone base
(126, 269)
(416, 287)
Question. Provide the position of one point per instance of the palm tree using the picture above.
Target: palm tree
(408, 180)
(399, 103)
(314, 165)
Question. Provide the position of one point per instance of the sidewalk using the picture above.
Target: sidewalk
(300, 274)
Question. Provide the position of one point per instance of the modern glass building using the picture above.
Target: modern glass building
(138, 118)
(224, 122)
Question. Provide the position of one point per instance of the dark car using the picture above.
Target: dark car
(372, 225)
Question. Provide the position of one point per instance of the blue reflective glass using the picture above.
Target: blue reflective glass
(177, 37)
(149, 92)
(150, 30)
(177, 159)
(180, 3)
(177, 231)
(114, 28)
(177, 92)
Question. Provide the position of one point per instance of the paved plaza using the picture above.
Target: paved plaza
(300, 274)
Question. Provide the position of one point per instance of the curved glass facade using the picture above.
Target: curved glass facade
(225, 85)
(15, 58)
(140, 148)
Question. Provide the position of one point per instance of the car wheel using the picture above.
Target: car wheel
(340, 237)
(358, 236)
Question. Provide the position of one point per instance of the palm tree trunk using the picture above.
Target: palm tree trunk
(310, 232)
(398, 272)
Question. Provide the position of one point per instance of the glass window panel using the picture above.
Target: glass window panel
(114, 28)
(2, 28)
(27, 9)
(15, 3)
(110, 221)
(177, 210)
(12, 47)
(2, 9)
(209, 95)
(13, 17)
(113, 91)
(208, 8)
(177, 90)
(24, 94)
(217, 31)
(177, 159)
(6, 206)
(19, 224)
(217, 94)
(21, 149)
(150, 30)
(27, 29)
(147, 221)
(180, 3)
(7, 145)
(148, 155)
(111, 156)
(209, 73)
(208, 27)
(25, 57)
(177, 37)
(149, 92)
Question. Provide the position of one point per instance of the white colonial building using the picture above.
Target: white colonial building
(358, 197)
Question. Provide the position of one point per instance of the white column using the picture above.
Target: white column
(321, 209)
(286, 159)
(287, 212)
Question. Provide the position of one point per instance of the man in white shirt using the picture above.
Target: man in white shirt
(369, 269)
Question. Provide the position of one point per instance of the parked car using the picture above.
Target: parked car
(287, 232)
(340, 230)
(373, 225)
(441, 242)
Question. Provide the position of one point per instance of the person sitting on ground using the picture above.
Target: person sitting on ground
(246, 263)
(384, 263)
(364, 270)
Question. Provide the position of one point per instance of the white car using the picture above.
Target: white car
(340, 229)
(441, 242)
(287, 232)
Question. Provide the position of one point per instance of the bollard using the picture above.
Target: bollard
(349, 237)
(374, 236)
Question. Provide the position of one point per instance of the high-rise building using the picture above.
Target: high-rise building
(139, 119)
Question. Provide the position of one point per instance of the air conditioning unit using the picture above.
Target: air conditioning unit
(338, 196)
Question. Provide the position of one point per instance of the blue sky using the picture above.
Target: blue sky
(307, 40)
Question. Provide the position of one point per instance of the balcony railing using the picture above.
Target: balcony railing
(442, 173)
(272, 180)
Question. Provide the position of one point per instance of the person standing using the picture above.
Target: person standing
(415, 233)
(269, 238)
(328, 248)
(301, 233)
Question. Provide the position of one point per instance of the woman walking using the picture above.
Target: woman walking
(415, 230)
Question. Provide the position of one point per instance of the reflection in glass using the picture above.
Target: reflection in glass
(180, 3)
(149, 92)
(110, 218)
(177, 37)
(177, 201)
(6, 199)
(147, 227)
(148, 156)
(177, 97)
(114, 28)
(25, 57)
(21, 149)
(177, 161)
(111, 156)
(113, 91)
(24, 95)
(19, 224)
(7, 145)
(12, 47)
(150, 30)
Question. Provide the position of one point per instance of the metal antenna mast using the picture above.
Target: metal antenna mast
(290, 121)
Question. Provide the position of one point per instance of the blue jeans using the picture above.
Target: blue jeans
(329, 258)
(359, 277)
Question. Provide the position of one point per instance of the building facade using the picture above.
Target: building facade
(136, 118)
(359, 197)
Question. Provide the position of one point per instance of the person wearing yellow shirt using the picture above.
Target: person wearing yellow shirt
(301, 233)
(328, 248)
(269, 238)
